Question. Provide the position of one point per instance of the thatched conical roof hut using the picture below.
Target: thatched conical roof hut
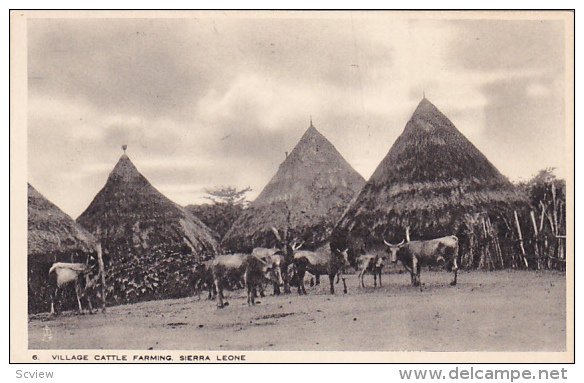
(147, 239)
(434, 181)
(305, 198)
(53, 236)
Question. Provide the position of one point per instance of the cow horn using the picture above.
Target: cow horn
(296, 246)
(261, 260)
(401, 243)
(276, 233)
(387, 243)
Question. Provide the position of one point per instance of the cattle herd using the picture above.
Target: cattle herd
(283, 266)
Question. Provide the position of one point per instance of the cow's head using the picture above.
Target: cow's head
(343, 256)
(380, 261)
(393, 250)
(273, 273)
(286, 246)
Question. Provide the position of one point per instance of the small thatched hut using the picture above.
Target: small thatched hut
(305, 198)
(149, 242)
(53, 236)
(434, 182)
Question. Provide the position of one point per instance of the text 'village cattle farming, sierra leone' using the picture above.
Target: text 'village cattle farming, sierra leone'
(437, 250)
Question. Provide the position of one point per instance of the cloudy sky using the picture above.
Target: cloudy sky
(218, 100)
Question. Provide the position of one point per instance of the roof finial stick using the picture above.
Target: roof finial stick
(124, 147)
(424, 93)
(311, 121)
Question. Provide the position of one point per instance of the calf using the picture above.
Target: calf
(253, 270)
(440, 251)
(62, 274)
(373, 264)
(323, 261)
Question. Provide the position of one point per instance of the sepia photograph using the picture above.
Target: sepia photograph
(292, 186)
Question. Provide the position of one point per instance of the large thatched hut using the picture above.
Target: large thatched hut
(434, 182)
(53, 236)
(304, 199)
(149, 242)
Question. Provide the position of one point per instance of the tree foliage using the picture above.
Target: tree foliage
(228, 203)
(228, 195)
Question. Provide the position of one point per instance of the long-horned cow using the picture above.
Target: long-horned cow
(323, 261)
(414, 254)
(253, 270)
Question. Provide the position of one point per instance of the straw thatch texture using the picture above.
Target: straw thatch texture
(149, 242)
(53, 236)
(434, 181)
(50, 230)
(306, 197)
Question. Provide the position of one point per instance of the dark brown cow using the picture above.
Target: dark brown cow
(203, 279)
(323, 261)
(253, 270)
(414, 254)
(372, 264)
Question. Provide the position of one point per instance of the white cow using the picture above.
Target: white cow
(62, 274)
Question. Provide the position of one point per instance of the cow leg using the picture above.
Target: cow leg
(53, 301)
(418, 280)
(90, 304)
(414, 272)
(361, 278)
(453, 283)
(285, 277)
(454, 266)
(379, 273)
(344, 284)
(409, 271)
(261, 288)
(210, 292)
(219, 293)
(455, 271)
(301, 288)
(374, 278)
(251, 291)
(317, 280)
(332, 280)
(276, 289)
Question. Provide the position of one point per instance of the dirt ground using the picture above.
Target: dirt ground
(486, 311)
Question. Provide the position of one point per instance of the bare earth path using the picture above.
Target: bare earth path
(487, 311)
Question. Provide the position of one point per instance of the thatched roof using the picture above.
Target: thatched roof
(51, 231)
(308, 194)
(129, 214)
(431, 178)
